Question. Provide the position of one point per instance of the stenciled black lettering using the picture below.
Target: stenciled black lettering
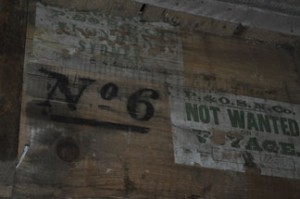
(62, 84)
(140, 99)
(109, 91)
(96, 123)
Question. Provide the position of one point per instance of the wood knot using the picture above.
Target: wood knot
(67, 150)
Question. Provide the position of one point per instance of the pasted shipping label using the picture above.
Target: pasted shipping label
(230, 132)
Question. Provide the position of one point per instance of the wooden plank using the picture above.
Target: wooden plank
(284, 17)
(256, 72)
(12, 34)
(114, 139)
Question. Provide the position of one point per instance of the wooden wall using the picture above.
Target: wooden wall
(96, 110)
(12, 34)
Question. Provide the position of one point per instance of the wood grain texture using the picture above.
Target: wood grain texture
(240, 67)
(82, 155)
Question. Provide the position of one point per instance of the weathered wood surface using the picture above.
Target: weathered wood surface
(184, 20)
(260, 71)
(95, 147)
(12, 34)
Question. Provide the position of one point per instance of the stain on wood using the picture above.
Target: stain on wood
(218, 137)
